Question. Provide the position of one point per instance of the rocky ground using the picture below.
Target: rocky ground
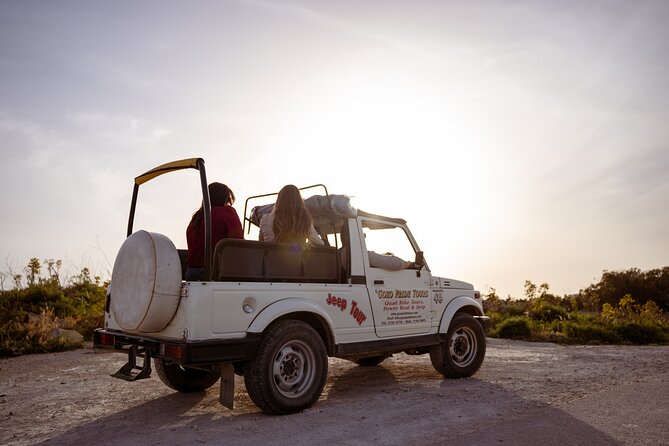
(525, 393)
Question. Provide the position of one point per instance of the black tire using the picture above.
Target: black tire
(370, 361)
(462, 353)
(288, 373)
(186, 379)
(238, 368)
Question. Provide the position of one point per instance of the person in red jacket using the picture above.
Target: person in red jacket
(225, 223)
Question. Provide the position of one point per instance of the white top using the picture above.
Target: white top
(267, 231)
(383, 261)
(387, 261)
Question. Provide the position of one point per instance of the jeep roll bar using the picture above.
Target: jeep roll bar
(189, 163)
(327, 198)
(253, 197)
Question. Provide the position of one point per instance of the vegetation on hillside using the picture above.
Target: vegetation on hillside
(624, 307)
(39, 309)
(628, 307)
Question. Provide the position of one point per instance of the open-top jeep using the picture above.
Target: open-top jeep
(273, 313)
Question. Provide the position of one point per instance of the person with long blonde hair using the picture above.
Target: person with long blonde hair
(289, 221)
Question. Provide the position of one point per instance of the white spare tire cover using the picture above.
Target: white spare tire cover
(146, 282)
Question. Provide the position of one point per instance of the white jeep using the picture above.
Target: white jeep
(274, 314)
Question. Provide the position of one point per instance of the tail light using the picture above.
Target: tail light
(106, 339)
(171, 350)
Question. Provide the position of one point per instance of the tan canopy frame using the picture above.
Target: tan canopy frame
(190, 163)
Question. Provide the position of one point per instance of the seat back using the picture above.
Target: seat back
(236, 259)
(283, 262)
(320, 264)
(250, 260)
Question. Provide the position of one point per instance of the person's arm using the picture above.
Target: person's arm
(391, 263)
(265, 227)
(314, 238)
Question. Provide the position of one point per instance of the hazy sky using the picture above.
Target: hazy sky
(520, 139)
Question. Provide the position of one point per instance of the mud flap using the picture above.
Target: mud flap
(227, 395)
(127, 372)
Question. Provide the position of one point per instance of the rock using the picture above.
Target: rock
(71, 336)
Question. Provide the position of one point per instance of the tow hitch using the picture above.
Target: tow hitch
(128, 371)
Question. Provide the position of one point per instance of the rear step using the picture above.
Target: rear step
(127, 372)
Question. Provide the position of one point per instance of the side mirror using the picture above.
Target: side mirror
(420, 261)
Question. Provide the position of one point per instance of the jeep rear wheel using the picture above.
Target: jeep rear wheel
(289, 370)
(462, 353)
(185, 379)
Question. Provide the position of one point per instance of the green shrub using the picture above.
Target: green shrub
(35, 335)
(547, 312)
(29, 315)
(495, 319)
(582, 332)
(515, 308)
(639, 333)
(13, 337)
(516, 327)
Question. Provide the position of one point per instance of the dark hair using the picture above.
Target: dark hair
(219, 195)
(292, 220)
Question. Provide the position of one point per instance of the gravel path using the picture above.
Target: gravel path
(531, 393)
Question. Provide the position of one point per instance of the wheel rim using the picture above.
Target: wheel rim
(293, 369)
(462, 346)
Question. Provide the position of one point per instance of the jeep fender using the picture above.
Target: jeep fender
(454, 306)
(288, 306)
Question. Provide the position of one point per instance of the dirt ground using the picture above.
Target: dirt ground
(525, 393)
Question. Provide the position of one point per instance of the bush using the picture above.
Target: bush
(584, 332)
(30, 316)
(547, 312)
(37, 334)
(516, 327)
(639, 333)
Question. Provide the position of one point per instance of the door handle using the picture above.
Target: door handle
(378, 282)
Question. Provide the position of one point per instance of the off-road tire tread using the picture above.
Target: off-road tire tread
(257, 377)
(187, 380)
(439, 353)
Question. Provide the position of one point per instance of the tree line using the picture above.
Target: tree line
(627, 306)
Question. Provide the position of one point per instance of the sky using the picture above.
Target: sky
(521, 140)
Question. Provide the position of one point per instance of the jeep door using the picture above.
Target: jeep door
(399, 298)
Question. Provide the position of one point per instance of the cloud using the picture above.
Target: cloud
(364, 31)
(124, 77)
(122, 130)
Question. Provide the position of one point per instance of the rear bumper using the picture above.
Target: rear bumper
(184, 352)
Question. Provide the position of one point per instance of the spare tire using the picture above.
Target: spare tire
(146, 282)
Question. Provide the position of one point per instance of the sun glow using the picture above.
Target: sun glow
(401, 148)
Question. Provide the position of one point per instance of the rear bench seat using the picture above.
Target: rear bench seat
(250, 260)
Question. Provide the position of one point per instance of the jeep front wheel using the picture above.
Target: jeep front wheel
(462, 353)
(186, 379)
(288, 373)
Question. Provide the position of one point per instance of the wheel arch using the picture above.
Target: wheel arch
(301, 310)
(460, 304)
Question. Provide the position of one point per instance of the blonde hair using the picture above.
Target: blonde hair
(292, 220)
